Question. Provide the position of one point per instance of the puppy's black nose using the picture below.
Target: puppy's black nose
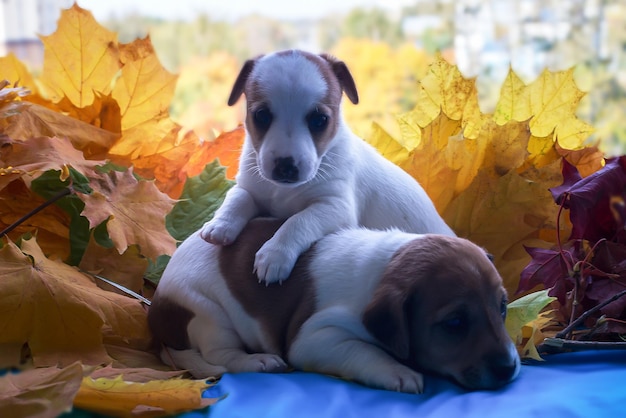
(285, 171)
(503, 372)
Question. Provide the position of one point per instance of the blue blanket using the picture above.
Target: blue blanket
(586, 385)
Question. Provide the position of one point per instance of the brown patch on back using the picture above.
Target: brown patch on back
(168, 322)
(281, 309)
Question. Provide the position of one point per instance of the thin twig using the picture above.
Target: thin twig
(62, 193)
(559, 345)
(120, 287)
(588, 313)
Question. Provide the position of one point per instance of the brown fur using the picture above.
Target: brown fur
(429, 284)
(168, 322)
(281, 309)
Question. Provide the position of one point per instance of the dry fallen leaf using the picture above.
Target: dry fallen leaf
(134, 210)
(60, 313)
(41, 392)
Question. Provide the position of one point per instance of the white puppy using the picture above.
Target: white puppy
(301, 162)
(377, 307)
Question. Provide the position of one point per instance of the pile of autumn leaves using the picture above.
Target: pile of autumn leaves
(94, 132)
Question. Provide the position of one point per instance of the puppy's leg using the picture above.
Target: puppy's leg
(333, 341)
(219, 344)
(276, 258)
(192, 361)
(230, 219)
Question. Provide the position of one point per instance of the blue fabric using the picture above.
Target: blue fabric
(587, 385)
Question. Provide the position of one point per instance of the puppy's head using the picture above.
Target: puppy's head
(293, 111)
(440, 307)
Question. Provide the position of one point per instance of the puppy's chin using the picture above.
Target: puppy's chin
(485, 377)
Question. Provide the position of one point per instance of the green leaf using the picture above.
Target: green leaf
(526, 312)
(48, 185)
(155, 269)
(526, 309)
(201, 197)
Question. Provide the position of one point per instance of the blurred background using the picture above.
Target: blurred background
(387, 44)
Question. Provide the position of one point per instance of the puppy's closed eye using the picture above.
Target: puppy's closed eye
(456, 324)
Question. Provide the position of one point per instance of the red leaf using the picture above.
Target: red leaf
(592, 201)
(548, 268)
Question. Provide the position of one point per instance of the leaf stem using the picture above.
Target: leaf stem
(588, 313)
(62, 193)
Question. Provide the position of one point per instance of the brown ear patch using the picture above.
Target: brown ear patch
(240, 82)
(168, 322)
(340, 69)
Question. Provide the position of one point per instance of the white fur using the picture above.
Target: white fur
(350, 184)
(345, 269)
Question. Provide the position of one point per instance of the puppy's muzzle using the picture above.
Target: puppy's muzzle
(285, 170)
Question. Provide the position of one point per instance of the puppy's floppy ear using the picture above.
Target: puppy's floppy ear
(385, 318)
(343, 75)
(240, 83)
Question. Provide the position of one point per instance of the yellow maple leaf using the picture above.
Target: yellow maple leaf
(60, 313)
(549, 104)
(490, 185)
(123, 201)
(116, 397)
(16, 73)
(145, 88)
(80, 58)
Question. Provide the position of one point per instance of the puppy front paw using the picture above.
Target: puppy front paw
(401, 379)
(220, 232)
(263, 363)
(273, 264)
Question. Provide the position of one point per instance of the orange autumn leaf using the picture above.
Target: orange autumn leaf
(226, 147)
(59, 312)
(135, 211)
(165, 162)
(80, 58)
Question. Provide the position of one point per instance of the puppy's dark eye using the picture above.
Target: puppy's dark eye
(263, 118)
(503, 308)
(456, 325)
(317, 121)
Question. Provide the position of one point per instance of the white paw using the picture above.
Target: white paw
(220, 231)
(264, 363)
(401, 379)
(273, 264)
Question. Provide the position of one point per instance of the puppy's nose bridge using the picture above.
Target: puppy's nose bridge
(285, 170)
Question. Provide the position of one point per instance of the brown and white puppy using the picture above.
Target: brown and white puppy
(377, 307)
(301, 162)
